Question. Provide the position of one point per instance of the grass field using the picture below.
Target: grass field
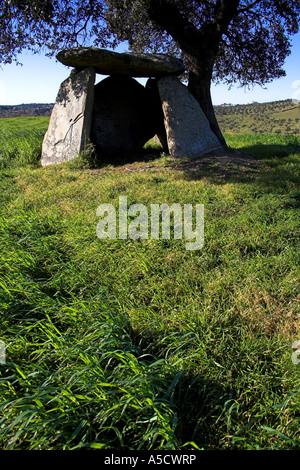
(21, 140)
(140, 344)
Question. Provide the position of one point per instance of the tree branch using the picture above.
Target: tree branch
(224, 14)
(168, 17)
(248, 7)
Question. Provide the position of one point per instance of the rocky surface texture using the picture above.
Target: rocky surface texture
(187, 128)
(70, 122)
(127, 63)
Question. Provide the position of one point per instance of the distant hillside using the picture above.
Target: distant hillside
(20, 110)
(276, 117)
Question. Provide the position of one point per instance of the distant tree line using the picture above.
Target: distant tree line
(32, 109)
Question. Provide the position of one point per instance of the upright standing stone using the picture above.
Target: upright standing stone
(70, 122)
(188, 130)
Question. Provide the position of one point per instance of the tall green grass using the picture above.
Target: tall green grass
(21, 141)
(140, 344)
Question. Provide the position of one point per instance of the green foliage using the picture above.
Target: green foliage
(50, 25)
(227, 32)
(275, 118)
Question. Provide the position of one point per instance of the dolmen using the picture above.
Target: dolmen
(118, 115)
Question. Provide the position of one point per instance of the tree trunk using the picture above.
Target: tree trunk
(199, 85)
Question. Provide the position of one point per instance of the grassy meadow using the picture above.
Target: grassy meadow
(140, 344)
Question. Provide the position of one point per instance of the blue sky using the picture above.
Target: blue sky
(38, 80)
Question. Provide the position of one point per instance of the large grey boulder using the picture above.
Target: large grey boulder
(187, 128)
(126, 63)
(70, 122)
(124, 116)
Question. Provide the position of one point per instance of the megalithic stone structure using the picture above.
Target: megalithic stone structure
(119, 115)
(187, 128)
(70, 122)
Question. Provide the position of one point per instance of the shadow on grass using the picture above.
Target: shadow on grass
(267, 151)
(219, 167)
(195, 397)
(143, 155)
(222, 167)
(229, 165)
(239, 166)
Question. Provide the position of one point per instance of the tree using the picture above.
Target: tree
(245, 41)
